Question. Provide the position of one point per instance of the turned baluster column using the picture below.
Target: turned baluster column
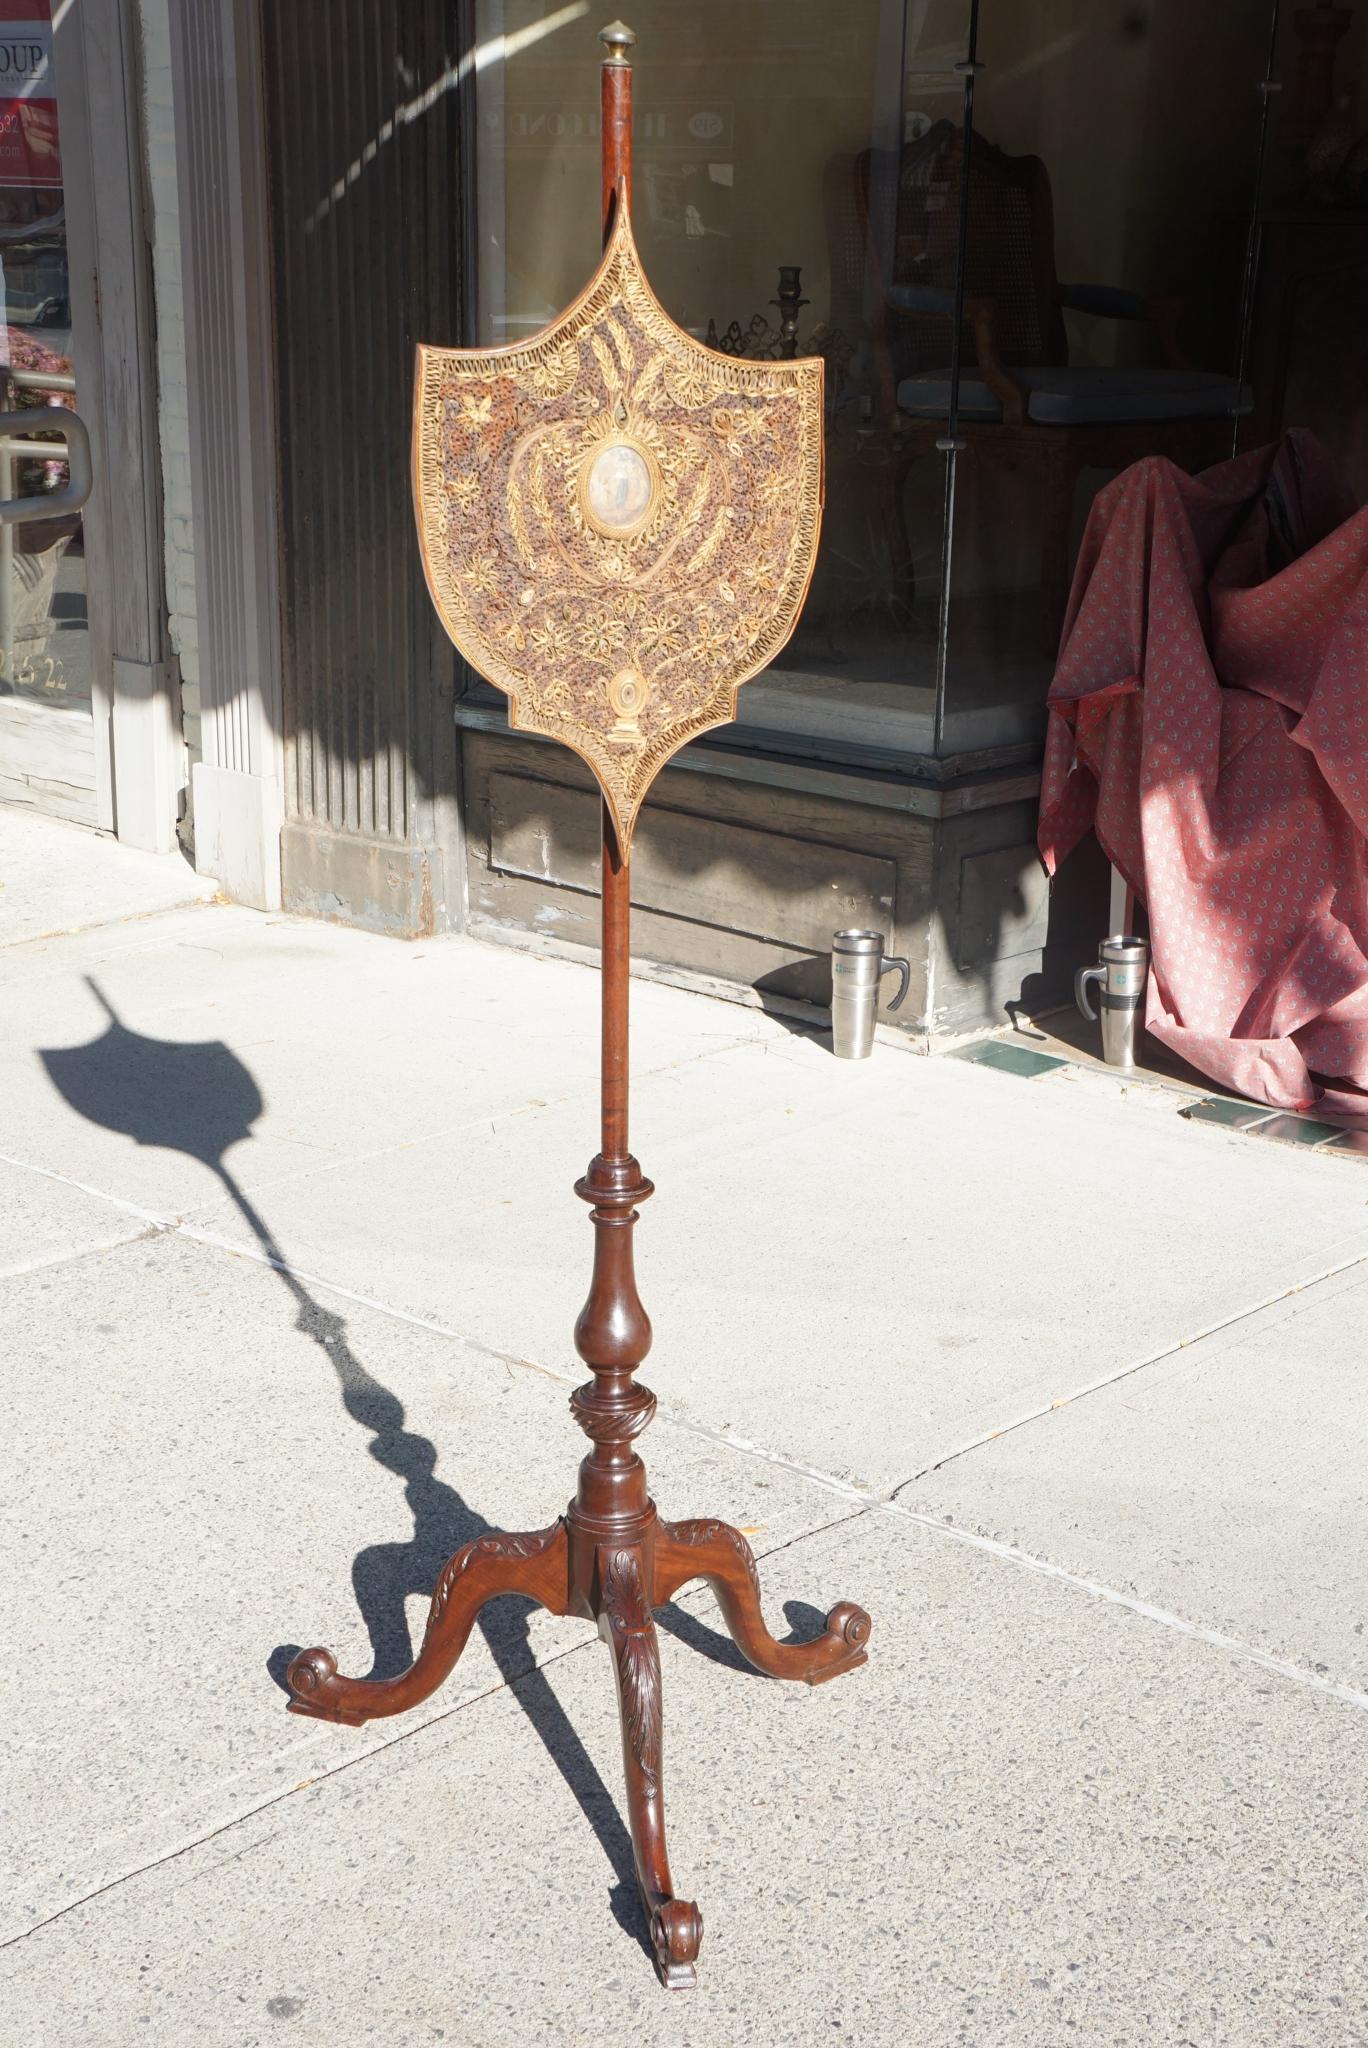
(613, 1333)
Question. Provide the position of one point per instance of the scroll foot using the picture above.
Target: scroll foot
(314, 1687)
(676, 1931)
(535, 1565)
(675, 1925)
(720, 1554)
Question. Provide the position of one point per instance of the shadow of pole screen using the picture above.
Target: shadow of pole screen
(201, 1100)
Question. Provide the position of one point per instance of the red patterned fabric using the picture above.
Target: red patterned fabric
(1209, 716)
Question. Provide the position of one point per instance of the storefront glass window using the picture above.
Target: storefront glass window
(47, 748)
(1113, 161)
(765, 143)
(1097, 251)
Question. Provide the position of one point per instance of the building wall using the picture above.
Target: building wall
(743, 869)
(364, 193)
(738, 884)
(173, 412)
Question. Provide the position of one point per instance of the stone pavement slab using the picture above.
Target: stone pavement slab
(1225, 1482)
(928, 1249)
(201, 1466)
(1038, 1816)
(44, 1220)
(859, 1267)
(1031, 1819)
(56, 877)
(296, 1045)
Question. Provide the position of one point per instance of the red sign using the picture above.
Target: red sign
(30, 152)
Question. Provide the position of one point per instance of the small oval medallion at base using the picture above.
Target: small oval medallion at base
(627, 694)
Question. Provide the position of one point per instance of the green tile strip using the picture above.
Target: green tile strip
(1008, 1059)
(1232, 1116)
(1262, 1122)
(1298, 1130)
(1225, 1111)
(1350, 1141)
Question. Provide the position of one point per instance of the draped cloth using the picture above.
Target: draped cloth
(1209, 717)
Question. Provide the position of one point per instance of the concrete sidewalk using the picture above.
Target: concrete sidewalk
(1065, 1389)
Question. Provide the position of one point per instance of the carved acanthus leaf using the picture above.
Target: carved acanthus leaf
(696, 1533)
(638, 1660)
(495, 1544)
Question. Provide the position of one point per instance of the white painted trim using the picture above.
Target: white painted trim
(147, 754)
(238, 817)
(134, 698)
(1121, 902)
(230, 376)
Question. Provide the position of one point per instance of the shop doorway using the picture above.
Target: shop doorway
(89, 700)
(47, 731)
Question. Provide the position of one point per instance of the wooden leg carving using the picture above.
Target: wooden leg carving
(720, 1554)
(536, 1565)
(676, 1925)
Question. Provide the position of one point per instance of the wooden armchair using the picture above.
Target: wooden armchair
(1021, 402)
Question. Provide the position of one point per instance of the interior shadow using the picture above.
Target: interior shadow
(200, 1099)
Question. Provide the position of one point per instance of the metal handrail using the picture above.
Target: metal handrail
(15, 427)
(50, 419)
(41, 380)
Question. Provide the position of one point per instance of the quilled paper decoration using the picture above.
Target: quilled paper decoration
(618, 525)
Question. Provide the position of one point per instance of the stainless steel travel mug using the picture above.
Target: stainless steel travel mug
(1122, 971)
(858, 965)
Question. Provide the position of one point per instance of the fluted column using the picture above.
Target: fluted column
(230, 376)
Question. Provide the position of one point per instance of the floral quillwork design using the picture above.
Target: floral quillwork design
(627, 632)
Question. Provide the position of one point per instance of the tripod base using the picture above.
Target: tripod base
(616, 1580)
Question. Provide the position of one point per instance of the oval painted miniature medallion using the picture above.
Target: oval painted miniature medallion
(618, 487)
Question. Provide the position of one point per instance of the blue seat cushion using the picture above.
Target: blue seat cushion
(1066, 397)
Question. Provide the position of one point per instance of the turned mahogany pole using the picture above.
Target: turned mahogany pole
(616, 968)
(613, 1333)
(616, 127)
(615, 102)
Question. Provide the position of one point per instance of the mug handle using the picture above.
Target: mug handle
(1081, 980)
(904, 967)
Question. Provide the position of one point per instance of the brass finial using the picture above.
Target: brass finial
(617, 40)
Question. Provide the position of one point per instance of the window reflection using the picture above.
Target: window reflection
(47, 750)
(1112, 173)
(1095, 227)
(754, 135)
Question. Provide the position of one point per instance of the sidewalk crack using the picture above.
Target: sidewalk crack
(89, 1251)
(1124, 1372)
(1024, 1560)
(347, 1763)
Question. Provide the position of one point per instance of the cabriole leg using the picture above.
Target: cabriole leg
(676, 1925)
(536, 1565)
(720, 1554)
